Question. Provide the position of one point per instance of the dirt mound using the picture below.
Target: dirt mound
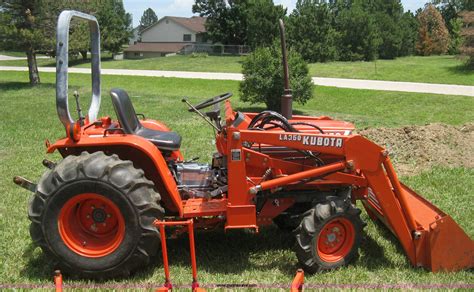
(417, 148)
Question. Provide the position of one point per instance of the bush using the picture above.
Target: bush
(263, 77)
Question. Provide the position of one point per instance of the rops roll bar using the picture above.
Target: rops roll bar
(62, 62)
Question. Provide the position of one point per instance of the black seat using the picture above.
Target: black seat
(131, 124)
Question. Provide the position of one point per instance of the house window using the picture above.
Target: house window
(186, 37)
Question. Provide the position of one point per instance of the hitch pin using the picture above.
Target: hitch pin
(24, 183)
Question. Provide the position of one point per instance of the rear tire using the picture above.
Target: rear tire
(93, 215)
(329, 235)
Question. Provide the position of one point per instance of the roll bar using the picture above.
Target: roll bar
(62, 62)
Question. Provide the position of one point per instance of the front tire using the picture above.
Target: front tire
(329, 235)
(93, 215)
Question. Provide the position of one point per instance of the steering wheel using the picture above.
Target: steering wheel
(211, 101)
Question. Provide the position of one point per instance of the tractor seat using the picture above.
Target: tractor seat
(127, 117)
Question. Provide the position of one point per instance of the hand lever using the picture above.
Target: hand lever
(185, 100)
(78, 107)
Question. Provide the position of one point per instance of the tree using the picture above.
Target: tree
(450, 10)
(455, 36)
(409, 34)
(263, 77)
(30, 26)
(467, 32)
(240, 22)
(360, 37)
(433, 34)
(115, 24)
(262, 22)
(226, 20)
(387, 16)
(148, 18)
(21, 30)
(311, 31)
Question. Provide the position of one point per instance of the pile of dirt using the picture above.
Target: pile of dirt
(417, 148)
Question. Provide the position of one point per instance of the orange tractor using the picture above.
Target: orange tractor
(95, 212)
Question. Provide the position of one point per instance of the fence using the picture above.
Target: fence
(215, 49)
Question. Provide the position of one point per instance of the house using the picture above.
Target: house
(168, 35)
(135, 36)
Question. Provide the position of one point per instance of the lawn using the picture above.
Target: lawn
(28, 116)
(435, 69)
(13, 54)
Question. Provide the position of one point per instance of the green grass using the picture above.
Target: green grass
(435, 69)
(28, 116)
(13, 54)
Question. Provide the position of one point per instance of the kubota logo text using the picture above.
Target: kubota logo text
(313, 140)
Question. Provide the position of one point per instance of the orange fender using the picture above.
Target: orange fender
(129, 147)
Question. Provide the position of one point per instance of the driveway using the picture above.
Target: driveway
(336, 82)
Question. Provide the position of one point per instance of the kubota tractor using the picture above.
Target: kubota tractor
(93, 212)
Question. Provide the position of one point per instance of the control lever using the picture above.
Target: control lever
(78, 107)
(185, 100)
(192, 159)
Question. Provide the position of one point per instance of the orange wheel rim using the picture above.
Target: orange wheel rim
(91, 225)
(335, 240)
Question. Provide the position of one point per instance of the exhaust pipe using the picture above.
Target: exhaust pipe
(287, 97)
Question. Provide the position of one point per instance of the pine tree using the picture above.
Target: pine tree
(262, 22)
(116, 24)
(148, 18)
(360, 36)
(433, 34)
(311, 31)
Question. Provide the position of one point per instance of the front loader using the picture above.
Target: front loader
(95, 212)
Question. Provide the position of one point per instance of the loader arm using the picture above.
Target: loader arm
(430, 238)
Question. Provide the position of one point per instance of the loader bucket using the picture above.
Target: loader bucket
(442, 245)
(438, 244)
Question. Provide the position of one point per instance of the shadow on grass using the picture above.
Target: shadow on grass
(257, 109)
(39, 266)
(374, 254)
(231, 252)
(8, 86)
(227, 253)
(76, 62)
(463, 69)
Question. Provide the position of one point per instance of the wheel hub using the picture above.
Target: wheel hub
(91, 225)
(99, 215)
(335, 240)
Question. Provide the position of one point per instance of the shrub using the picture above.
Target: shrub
(263, 77)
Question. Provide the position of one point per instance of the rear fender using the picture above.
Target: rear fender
(141, 152)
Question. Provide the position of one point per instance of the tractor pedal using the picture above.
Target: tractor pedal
(49, 164)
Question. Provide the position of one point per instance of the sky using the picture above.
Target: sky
(183, 7)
